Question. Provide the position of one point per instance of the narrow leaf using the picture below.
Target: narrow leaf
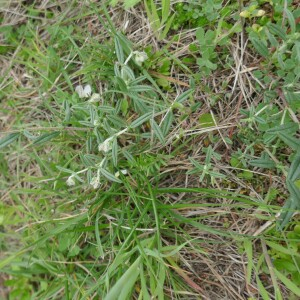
(46, 137)
(260, 46)
(140, 88)
(110, 176)
(249, 252)
(5, 141)
(277, 30)
(167, 27)
(165, 10)
(279, 248)
(294, 171)
(157, 131)
(181, 98)
(288, 283)
(119, 51)
(287, 213)
(139, 121)
(263, 162)
(167, 122)
(291, 141)
(124, 285)
(287, 128)
(291, 19)
(262, 291)
(114, 152)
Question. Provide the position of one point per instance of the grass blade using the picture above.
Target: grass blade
(124, 285)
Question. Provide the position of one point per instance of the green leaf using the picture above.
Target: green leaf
(110, 176)
(289, 284)
(142, 119)
(286, 128)
(121, 83)
(279, 248)
(74, 251)
(165, 10)
(114, 152)
(294, 171)
(157, 131)
(277, 30)
(97, 233)
(167, 27)
(8, 139)
(119, 50)
(206, 120)
(113, 2)
(291, 19)
(287, 213)
(29, 135)
(130, 3)
(272, 39)
(249, 252)
(262, 291)
(263, 162)
(127, 74)
(152, 15)
(260, 46)
(64, 170)
(292, 142)
(124, 285)
(167, 123)
(140, 88)
(124, 106)
(46, 137)
(200, 35)
(181, 98)
(144, 290)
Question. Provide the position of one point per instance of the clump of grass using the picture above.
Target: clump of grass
(133, 155)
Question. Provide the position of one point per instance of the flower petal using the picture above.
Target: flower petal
(79, 91)
(87, 90)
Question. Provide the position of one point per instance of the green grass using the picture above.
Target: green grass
(177, 177)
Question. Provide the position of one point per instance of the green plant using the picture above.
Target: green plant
(160, 20)
(207, 170)
(193, 14)
(126, 171)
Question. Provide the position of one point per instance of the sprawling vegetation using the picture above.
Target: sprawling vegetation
(149, 149)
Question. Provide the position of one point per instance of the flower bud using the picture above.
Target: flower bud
(95, 98)
(70, 181)
(245, 14)
(140, 57)
(260, 13)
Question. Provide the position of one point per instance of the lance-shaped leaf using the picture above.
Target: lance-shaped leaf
(139, 121)
(8, 139)
(46, 137)
(263, 162)
(110, 176)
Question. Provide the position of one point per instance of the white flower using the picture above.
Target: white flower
(95, 98)
(95, 182)
(83, 92)
(140, 57)
(105, 146)
(70, 181)
(124, 172)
